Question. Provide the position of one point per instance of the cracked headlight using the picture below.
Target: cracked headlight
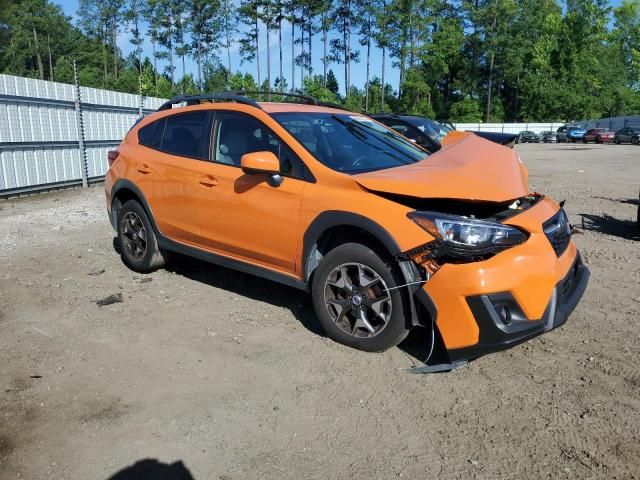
(464, 237)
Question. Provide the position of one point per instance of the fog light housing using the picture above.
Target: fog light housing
(504, 313)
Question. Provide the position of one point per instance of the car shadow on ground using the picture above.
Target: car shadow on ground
(152, 469)
(416, 346)
(627, 229)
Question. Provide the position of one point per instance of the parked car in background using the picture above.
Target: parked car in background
(598, 135)
(528, 137)
(428, 133)
(574, 134)
(548, 137)
(561, 134)
(627, 135)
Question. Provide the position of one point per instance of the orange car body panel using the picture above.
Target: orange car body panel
(241, 217)
(530, 271)
(465, 164)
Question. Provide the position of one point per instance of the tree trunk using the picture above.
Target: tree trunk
(258, 54)
(228, 51)
(155, 63)
(38, 57)
(411, 41)
(280, 50)
(293, 56)
(324, 49)
(489, 87)
(138, 46)
(493, 55)
(403, 60)
(50, 59)
(114, 34)
(199, 62)
(366, 96)
(384, 57)
(346, 57)
(171, 67)
(268, 58)
(348, 47)
(302, 56)
(309, 39)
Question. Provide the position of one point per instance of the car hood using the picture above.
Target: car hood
(469, 169)
(498, 137)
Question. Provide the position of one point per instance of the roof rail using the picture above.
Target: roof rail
(197, 99)
(308, 100)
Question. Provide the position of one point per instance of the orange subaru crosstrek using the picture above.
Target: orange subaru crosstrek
(385, 236)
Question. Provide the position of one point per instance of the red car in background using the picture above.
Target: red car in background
(598, 135)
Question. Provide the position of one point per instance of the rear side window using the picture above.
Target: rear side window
(151, 135)
(187, 135)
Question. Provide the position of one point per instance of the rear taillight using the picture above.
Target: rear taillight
(112, 155)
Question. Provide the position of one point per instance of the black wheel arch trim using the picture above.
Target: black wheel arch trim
(336, 218)
(124, 184)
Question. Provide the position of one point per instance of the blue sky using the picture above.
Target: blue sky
(358, 72)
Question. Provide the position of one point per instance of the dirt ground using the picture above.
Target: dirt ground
(205, 373)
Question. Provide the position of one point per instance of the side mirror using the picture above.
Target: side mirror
(262, 162)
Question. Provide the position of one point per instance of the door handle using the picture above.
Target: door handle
(208, 181)
(144, 169)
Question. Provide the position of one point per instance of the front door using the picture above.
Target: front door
(240, 214)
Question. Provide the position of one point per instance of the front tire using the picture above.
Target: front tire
(355, 299)
(138, 244)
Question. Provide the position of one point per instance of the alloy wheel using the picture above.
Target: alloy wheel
(357, 300)
(134, 235)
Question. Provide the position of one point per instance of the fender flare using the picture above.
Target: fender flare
(337, 218)
(124, 184)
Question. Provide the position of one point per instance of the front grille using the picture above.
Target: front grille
(567, 286)
(558, 231)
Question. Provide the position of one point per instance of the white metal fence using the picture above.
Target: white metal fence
(510, 127)
(54, 134)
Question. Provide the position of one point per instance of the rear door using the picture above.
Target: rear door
(240, 214)
(180, 145)
(624, 135)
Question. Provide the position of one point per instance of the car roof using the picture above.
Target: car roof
(282, 107)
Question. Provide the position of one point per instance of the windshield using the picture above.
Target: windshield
(436, 131)
(349, 143)
(576, 129)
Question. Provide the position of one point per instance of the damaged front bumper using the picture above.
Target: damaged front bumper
(503, 324)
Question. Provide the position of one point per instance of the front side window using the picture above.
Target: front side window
(434, 130)
(237, 134)
(186, 135)
(349, 143)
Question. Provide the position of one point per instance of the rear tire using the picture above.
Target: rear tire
(634, 141)
(138, 244)
(355, 300)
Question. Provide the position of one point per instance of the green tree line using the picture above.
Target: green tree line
(464, 60)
